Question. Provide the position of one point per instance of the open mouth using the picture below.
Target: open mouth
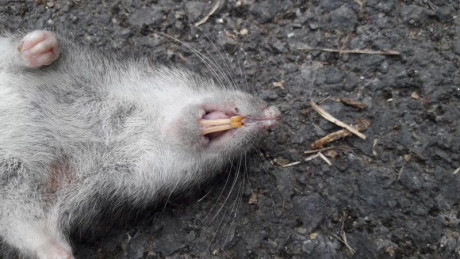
(216, 123)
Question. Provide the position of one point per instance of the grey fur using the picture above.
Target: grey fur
(110, 134)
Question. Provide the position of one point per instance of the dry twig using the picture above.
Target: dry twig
(361, 4)
(353, 103)
(361, 125)
(331, 118)
(456, 171)
(324, 158)
(326, 148)
(345, 242)
(355, 51)
(291, 164)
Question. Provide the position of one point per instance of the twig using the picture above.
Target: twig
(291, 164)
(361, 125)
(311, 157)
(361, 4)
(456, 171)
(400, 172)
(331, 118)
(355, 51)
(325, 149)
(374, 152)
(353, 103)
(324, 158)
(213, 10)
(352, 251)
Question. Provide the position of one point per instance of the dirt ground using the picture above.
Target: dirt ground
(395, 194)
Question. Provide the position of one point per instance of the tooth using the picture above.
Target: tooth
(236, 124)
(216, 129)
(221, 121)
(221, 127)
(236, 118)
(214, 122)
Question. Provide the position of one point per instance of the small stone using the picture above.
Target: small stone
(145, 17)
(195, 9)
(313, 235)
(253, 198)
(343, 18)
(410, 179)
(444, 14)
(301, 230)
(407, 157)
(311, 209)
(415, 95)
(265, 11)
(309, 246)
(414, 15)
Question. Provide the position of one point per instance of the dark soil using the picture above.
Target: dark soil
(393, 195)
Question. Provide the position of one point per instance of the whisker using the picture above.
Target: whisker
(226, 61)
(206, 194)
(218, 198)
(223, 204)
(230, 82)
(243, 75)
(208, 62)
(270, 178)
(231, 190)
(239, 202)
(167, 199)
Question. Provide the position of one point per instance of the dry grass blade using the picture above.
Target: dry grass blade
(361, 125)
(353, 103)
(311, 157)
(324, 158)
(291, 164)
(337, 122)
(326, 149)
(213, 10)
(355, 51)
(352, 251)
(456, 171)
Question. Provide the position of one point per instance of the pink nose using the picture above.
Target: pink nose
(271, 113)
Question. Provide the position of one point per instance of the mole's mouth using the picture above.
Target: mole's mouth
(215, 123)
(218, 124)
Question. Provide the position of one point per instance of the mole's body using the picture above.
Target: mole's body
(82, 135)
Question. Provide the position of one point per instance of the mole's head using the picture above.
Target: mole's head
(212, 124)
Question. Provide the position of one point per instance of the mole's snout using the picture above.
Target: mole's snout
(271, 116)
(268, 118)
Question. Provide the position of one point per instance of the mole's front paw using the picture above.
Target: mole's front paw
(39, 48)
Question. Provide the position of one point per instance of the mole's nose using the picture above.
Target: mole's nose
(270, 116)
(271, 113)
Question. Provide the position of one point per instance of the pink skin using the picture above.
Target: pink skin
(39, 48)
(53, 250)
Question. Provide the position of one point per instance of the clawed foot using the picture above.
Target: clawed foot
(39, 48)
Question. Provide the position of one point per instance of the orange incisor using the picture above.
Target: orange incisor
(221, 124)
